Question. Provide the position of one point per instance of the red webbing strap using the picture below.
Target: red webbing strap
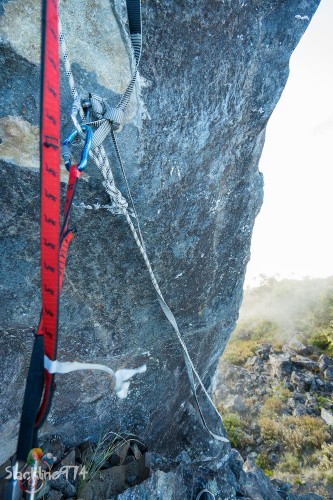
(50, 225)
(66, 238)
(50, 179)
(62, 263)
(48, 378)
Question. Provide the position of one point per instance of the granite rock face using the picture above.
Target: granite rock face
(210, 77)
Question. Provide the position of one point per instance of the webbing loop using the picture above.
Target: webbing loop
(119, 205)
(121, 377)
(55, 241)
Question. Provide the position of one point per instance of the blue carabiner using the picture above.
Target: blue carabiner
(66, 151)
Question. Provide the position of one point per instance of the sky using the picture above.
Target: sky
(293, 234)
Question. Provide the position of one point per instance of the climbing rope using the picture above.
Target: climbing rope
(55, 239)
(107, 120)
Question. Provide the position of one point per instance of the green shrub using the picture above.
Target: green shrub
(289, 463)
(271, 430)
(263, 462)
(321, 340)
(271, 407)
(319, 326)
(238, 351)
(264, 330)
(99, 455)
(281, 392)
(234, 427)
(295, 433)
(326, 457)
(322, 400)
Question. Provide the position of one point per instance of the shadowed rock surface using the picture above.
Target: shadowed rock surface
(211, 75)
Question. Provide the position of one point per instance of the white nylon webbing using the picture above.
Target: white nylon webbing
(122, 377)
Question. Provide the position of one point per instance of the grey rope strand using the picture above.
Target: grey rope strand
(100, 159)
(127, 186)
(168, 313)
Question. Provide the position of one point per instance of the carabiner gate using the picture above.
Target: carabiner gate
(66, 150)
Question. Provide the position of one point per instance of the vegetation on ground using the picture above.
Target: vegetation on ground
(98, 455)
(236, 429)
(297, 449)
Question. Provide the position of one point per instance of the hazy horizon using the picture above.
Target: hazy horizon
(292, 235)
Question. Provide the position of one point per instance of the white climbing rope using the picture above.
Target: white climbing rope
(99, 155)
(108, 120)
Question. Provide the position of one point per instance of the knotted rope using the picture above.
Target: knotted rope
(107, 120)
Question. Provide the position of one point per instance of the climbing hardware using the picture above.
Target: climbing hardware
(94, 120)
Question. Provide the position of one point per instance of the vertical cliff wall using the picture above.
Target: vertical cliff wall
(210, 76)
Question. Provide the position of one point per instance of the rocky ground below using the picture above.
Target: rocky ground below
(275, 394)
(277, 407)
(120, 467)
